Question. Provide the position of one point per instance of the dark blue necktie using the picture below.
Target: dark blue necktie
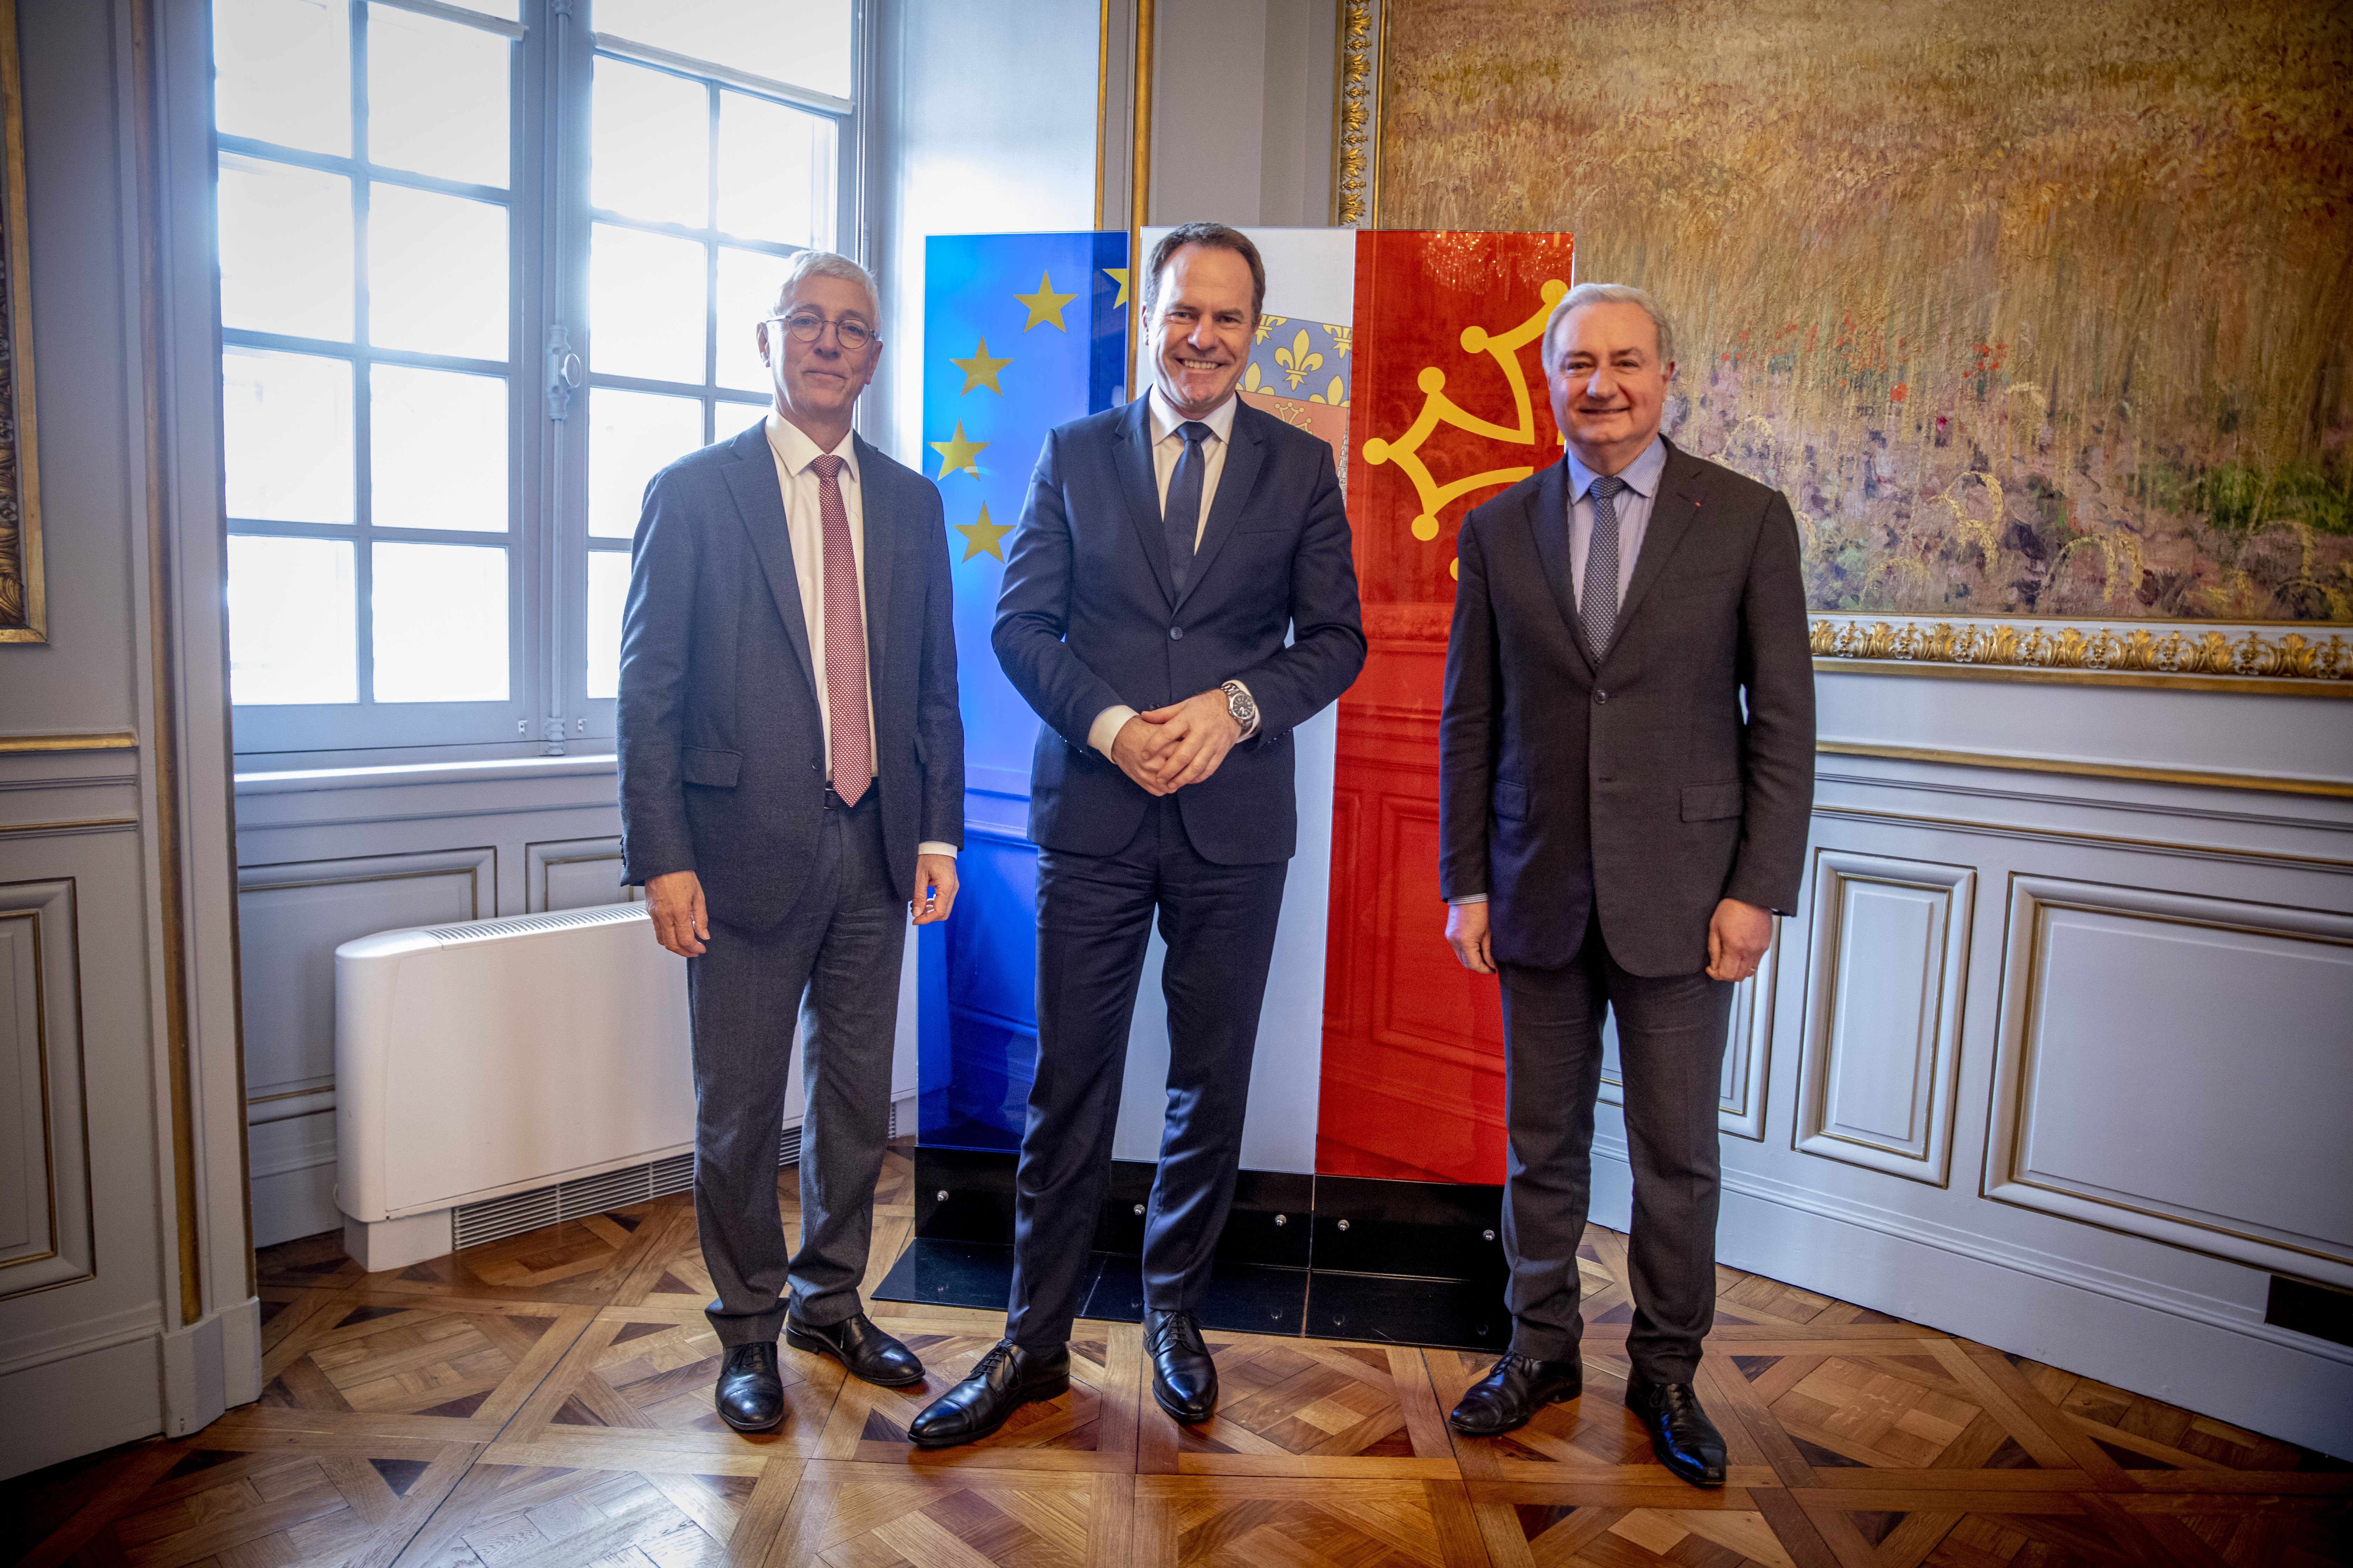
(1181, 514)
(1599, 610)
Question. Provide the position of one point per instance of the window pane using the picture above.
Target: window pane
(284, 73)
(437, 273)
(440, 623)
(647, 296)
(776, 171)
(803, 42)
(286, 431)
(437, 458)
(748, 280)
(649, 145)
(504, 10)
(285, 249)
(609, 590)
(293, 611)
(632, 436)
(437, 97)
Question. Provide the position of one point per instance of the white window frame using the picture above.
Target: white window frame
(548, 543)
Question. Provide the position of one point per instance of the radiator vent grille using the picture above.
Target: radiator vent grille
(495, 1219)
(530, 925)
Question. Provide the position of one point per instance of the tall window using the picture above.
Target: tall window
(484, 270)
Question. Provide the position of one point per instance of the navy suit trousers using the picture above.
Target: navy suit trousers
(1094, 921)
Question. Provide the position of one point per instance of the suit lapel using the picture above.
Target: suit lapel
(760, 501)
(1131, 455)
(1245, 454)
(1673, 513)
(881, 518)
(1547, 518)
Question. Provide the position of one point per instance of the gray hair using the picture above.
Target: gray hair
(1612, 295)
(829, 264)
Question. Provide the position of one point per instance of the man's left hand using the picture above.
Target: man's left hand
(1193, 738)
(1736, 940)
(936, 888)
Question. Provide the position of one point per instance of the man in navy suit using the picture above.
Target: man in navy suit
(792, 768)
(1181, 596)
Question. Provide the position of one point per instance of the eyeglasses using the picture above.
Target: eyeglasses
(807, 327)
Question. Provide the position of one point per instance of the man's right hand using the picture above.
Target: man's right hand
(1128, 748)
(675, 897)
(1466, 931)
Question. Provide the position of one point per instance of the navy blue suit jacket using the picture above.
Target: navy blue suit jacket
(722, 748)
(1089, 618)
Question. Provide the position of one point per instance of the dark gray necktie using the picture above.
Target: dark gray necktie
(1181, 514)
(1599, 610)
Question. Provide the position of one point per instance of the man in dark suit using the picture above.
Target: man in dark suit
(1626, 775)
(792, 765)
(1166, 549)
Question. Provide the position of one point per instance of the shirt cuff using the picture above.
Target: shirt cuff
(1467, 898)
(1107, 725)
(931, 846)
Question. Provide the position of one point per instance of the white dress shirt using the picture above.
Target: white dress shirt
(1632, 508)
(805, 521)
(1167, 446)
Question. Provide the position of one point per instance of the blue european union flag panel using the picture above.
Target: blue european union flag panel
(1021, 333)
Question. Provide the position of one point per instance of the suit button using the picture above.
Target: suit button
(1600, 696)
(1175, 634)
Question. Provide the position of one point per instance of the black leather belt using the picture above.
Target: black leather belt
(833, 802)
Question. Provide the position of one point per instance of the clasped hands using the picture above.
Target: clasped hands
(1182, 744)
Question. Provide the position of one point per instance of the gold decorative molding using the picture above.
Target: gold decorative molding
(2233, 658)
(24, 608)
(111, 740)
(1356, 101)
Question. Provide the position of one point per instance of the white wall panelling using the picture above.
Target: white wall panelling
(1889, 954)
(2174, 1066)
(45, 1222)
(574, 873)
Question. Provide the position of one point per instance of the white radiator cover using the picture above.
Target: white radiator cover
(495, 1056)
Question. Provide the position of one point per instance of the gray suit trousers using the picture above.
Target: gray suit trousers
(834, 962)
(1670, 1054)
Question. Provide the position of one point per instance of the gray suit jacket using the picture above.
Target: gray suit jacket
(722, 748)
(1679, 774)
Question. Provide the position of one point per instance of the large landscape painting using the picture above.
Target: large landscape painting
(2030, 309)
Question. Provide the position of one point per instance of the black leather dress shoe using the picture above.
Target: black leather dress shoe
(857, 1344)
(1000, 1383)
(1683, 1437)
(1184, 1378)
(750, 1395)
(1508, 1396)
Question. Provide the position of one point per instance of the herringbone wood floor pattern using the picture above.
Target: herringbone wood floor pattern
(546, 1403)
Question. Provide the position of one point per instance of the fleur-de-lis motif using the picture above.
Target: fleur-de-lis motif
(1297, 360)
(1333, 396)
(1267, 324)
(1343, 338)
(1251, 380)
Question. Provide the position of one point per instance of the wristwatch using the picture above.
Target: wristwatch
(1239, 703)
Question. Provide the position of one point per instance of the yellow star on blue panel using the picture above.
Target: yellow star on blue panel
(956, 453)
(1045, 306)
(980, 370)
(983, 535)
(1118, 275)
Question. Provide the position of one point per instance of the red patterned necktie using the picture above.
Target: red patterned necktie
(845, 641)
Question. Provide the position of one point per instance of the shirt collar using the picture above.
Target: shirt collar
(1165, 418)
(1641, 475)
(797, 452)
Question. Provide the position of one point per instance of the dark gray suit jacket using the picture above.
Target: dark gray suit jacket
(1642, 786)
(1089, 618)
(722, 748)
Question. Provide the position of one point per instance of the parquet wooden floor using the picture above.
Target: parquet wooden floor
(546, 1403)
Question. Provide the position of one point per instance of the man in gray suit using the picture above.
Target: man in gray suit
(1626, 775)
(792, 765)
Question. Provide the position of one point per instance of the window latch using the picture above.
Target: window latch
(563, 373)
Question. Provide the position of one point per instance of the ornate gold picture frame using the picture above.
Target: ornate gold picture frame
(24, 616)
